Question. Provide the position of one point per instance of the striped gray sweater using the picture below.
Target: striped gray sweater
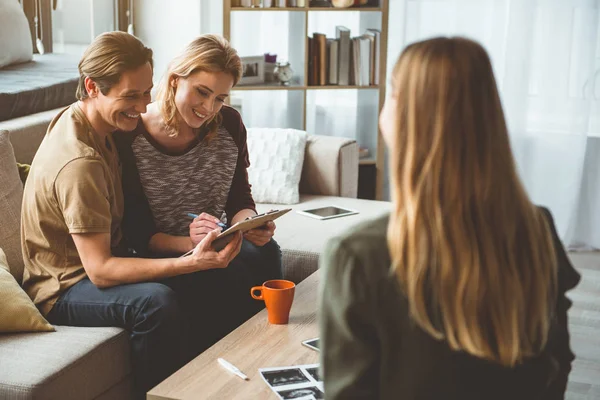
(162, 187)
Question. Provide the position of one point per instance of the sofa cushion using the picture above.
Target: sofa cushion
(47, 82)
(71, 363)
(26, 133)
(17, 313)
(302, 239)
(276, 158)
(11, 196)
(23, 171)
(330, 166)
(15, 38)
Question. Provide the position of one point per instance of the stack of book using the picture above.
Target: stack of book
(345, 60)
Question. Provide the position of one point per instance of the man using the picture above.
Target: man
(72, 211)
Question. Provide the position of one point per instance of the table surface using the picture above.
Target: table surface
(255, 344)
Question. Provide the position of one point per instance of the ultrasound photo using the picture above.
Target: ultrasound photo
(302, 392)
(284, 377)
(314, 372)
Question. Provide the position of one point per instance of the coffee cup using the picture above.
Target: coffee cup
(278, 295)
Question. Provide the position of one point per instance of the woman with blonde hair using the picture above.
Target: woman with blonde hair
(460, 292)
(188, 155)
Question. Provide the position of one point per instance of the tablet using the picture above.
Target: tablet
(250, 223)
(246, 225)
(327, 212)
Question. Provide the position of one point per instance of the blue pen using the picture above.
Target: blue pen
(222, 225)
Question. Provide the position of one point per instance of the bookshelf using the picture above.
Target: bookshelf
(373, 165)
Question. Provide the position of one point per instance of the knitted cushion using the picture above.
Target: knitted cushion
(276, 158)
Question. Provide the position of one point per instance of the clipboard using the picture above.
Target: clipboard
(250, 223)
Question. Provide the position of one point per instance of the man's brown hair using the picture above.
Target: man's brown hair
(107, 57)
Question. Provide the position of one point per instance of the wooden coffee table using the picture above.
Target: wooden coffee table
(255, 344)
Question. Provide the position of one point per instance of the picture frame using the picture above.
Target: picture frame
(253, 70)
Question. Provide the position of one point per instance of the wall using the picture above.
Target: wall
(166, 27)
(73, 23)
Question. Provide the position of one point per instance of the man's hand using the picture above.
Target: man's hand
(201, 226)
(261, 236)
(205, 257)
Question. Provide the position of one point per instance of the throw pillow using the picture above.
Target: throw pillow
(11, 196)
(15, 37)
(276, 158)
(18, 313)
(23, 171)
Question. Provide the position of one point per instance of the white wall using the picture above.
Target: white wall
(74, 24)
(166, 27)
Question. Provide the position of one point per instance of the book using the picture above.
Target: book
(371, 39)
(365, 60)
(344, 61)
(375, 54)
(355, 61)
(332, 55)
(311, 49)
(314, 60)
(321, 47)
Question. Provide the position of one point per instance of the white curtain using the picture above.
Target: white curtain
(546, 57)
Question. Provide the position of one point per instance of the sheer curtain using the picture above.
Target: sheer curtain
(546, 57)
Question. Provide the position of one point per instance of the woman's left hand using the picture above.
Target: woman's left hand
(261, 236)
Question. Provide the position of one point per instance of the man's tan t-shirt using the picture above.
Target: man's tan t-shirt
(74, 186)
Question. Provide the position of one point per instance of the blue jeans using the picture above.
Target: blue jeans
(172, 321)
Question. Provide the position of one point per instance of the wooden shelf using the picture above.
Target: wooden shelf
(345, 9)
(337, 87)
(306, 9)
(270, 86)
(369, 165)
(268, 8)
(367, 161)
(277, 86)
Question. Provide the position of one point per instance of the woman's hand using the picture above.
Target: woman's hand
(201, 226)
(261, 236)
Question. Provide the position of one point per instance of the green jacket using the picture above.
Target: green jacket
(371, 349)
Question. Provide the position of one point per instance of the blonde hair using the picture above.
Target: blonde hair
(473, 255)
(209, 53)
(107, 57)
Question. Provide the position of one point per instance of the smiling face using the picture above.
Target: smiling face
(201, 95)
(121, 106)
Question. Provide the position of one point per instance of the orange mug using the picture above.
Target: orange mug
(278, 295)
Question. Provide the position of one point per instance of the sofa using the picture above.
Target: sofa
(93, 363)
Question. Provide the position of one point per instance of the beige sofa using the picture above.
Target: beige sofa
(93, 363)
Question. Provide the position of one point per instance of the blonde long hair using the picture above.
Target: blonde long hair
(473, 255)
(209, 53)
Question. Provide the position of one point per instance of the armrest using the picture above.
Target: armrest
(330, 167)
(26, 133)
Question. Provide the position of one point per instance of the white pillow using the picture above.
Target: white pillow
(276, 158)
(15, 37)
